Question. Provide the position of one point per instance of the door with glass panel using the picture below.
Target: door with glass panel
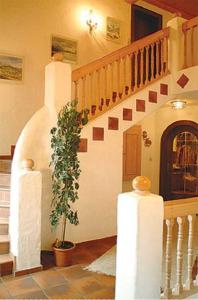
(179, 161)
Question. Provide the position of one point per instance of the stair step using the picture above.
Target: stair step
(4, 211)
(5, 166)
(5, 179)
(4, 223)
(4, 244)
(4, 193)
(6, 264)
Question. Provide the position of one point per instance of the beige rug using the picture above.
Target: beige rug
(105, 264)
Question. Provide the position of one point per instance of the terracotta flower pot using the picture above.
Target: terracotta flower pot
(63, 257)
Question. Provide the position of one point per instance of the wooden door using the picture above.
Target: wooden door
(179, 161)
(144, 22)
(132, 153)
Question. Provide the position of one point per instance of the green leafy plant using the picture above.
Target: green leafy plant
(66, 167)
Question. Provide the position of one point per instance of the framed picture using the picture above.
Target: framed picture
(113, 29)
(11, 68)
(66, 46)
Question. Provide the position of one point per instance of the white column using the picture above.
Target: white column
(139, 243)
(57, 84)
(176, 45)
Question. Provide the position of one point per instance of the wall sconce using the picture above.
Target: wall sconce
(91, 22)
(178, 104)
(147, 141)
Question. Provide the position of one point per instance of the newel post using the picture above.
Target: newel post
(139, 243)
(25, 218)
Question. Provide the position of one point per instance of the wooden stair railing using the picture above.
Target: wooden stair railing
(105, 82)
(190, 30)
(178, 213)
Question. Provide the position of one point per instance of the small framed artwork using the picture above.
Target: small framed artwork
(67, 47)
(11, 68)
(113, 29)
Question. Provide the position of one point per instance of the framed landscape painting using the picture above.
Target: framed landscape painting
(66, 46)
(113, 29)
(11, 68)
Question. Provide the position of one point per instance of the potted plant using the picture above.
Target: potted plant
(65, 174)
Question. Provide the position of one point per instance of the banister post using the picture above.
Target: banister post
(139, 243)
(176, 45)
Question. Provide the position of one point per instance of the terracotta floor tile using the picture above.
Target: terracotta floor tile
(86, 285)
(21, 285)
(4, 294)
(32, 295)
(107, 293)
(49, 278)
(105, 280)
(62, 292)
(74, 272)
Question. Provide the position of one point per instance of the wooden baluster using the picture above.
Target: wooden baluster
(135, 71)
(191, 227)
(129, 72)
(179, 286)
(83, 92)
(192, 46)
(165, 63)
(112, 81)
(141, 67)
(124, 84)
(185, 49)
(157, 59)
(147, 65)
(76, 90)
(168, 258)
(109, 85)
(162, 57)
(118, 79)
(106, 83)
(152, 62)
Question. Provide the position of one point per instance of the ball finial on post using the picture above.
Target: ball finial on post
(28, 164)
(141, 185)
(58, 56)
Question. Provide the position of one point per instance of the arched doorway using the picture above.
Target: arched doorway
(179, 161)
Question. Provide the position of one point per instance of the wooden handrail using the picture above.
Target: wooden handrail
(189, 24)
(118, 54)
(180, 207)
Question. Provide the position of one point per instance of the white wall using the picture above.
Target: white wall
(26, 27)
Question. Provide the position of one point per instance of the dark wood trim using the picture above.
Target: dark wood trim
(28, 271)
(134, 9)
(8, 157)
(166, 7)
(166, 152)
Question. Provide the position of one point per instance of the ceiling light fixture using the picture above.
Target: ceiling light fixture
(178, 104)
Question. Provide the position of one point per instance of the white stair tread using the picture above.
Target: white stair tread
(4, 221)
(5, 258)
(4, 204)
(4, 238)
(4, 188)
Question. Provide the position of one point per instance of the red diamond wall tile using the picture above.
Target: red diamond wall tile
(153, 96)
(127, 114)
(183, 80)
(113, 123)
(140, 105)
(163, 89)
(83, 145)
(98, 134)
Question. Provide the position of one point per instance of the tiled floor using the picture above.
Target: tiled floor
(64, 283)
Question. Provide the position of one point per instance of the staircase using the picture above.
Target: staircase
(6, 261)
